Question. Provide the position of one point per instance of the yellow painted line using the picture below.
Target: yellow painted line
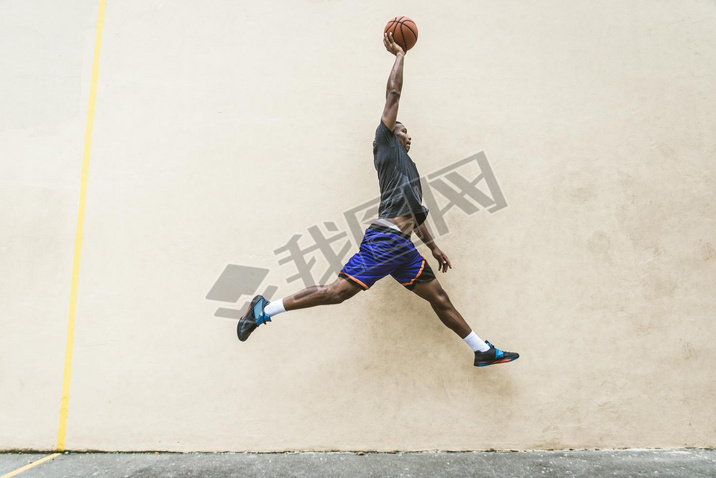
(27, 467)
(61, 433)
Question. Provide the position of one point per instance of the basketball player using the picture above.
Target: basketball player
(387, 247)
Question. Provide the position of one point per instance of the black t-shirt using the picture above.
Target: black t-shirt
(400, 190)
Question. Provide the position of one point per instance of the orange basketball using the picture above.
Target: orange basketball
(404, 30)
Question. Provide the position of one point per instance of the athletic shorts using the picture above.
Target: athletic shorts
(384, 251)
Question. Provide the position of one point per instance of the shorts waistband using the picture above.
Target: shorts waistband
(386, 223)
(381, 228)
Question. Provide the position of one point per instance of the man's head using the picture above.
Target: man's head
(402, 134)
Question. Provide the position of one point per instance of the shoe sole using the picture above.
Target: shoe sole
(485, 364)
(254, 301)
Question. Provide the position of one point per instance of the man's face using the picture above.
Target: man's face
(402, 133)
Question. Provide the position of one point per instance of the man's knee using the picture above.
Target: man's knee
(441, 299)
(340, 291)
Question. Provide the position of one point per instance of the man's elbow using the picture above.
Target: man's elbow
(393, 95)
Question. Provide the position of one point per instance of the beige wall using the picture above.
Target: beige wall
(217, 119)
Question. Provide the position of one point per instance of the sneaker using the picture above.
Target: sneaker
(493, 356)
(253, 317)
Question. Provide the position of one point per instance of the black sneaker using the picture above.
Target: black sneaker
(253, 317)
(493, 356)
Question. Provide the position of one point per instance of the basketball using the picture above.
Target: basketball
(404, 30)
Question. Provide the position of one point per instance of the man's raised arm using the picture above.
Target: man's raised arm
(395, 82)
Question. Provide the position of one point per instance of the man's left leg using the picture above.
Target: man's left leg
(434, 293)
(485, 352)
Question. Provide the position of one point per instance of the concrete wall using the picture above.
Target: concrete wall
(224, 128)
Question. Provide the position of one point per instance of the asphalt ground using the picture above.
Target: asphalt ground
(619, 463)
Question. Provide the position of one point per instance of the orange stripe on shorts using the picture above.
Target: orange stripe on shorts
(353, 278)
(422, 266)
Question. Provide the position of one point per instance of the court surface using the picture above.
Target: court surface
(632, 463)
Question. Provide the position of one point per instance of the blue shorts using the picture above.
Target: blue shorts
(386, 251)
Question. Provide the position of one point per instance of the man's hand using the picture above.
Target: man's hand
(442, 259)
(390, 44)
(424, 235)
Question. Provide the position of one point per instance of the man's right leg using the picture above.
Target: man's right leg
(361, 271)
(260, 311)
(334, 293)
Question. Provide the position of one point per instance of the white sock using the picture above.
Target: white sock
(475, 342)
(274, 307)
